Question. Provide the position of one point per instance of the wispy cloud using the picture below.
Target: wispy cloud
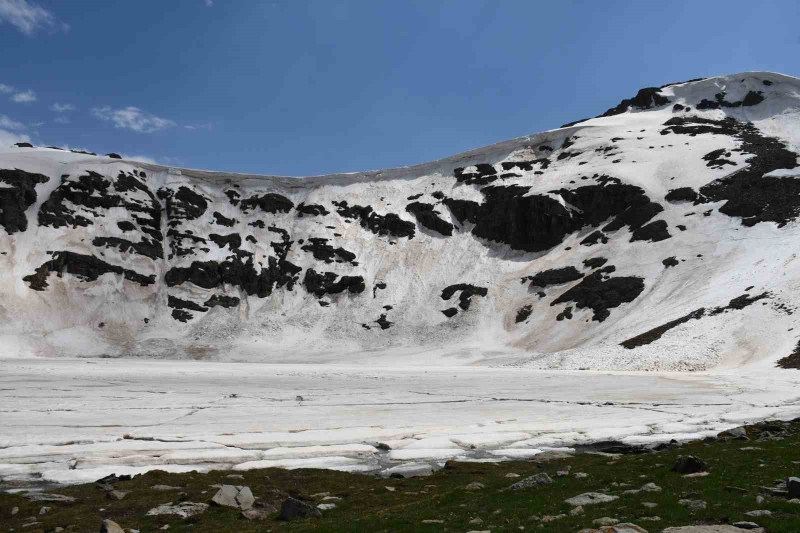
(205, 126)
(8, 138)
(209, 3)
(140, 159)
(28, 17)
(61, 119)
(132, 118)
(62, 108)
(24, 97)
(8, 124)
(6, 88)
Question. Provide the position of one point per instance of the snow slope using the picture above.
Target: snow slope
(687, 191)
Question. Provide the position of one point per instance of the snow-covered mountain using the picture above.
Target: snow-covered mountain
(661, 235)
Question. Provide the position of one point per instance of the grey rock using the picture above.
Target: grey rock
(257, 514)
(758, 512)
(707, 529)
(577, 511)
(689, 464)
(37, 497)
(553, 518)
(793, 486)
(475, 485)
(735, 433)
(746, 525)
(693, 505)
(605, 521)
(292, 508)
(109, 526)
(590, 498)
(184, 510)
(616, 528)
(326, 506)
(737, 490)
(532, 481)
(44, 510)
(759, 499)
(580, 475)
(234, 496)
(14, 510)
(650, 505)
(165, 487)
(116, 494)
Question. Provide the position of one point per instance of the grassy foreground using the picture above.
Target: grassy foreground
(372, 504)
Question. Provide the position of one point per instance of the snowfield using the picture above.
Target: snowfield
(70, 421)
(629, 277)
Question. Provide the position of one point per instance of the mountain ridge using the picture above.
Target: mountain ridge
(356, 266)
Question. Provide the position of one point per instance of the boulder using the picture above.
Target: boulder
(590, 498)
(532, 481)
(184, 510)
(746, 525)
(616, 528)
(235, 496)
(292, 508)
(109, 526)
(475, 485)
(693, 505)
(793, 486)
(724, 528)
(689, 464)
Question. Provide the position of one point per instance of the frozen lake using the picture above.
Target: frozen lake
(67, 421)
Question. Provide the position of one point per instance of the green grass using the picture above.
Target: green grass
(367, 506)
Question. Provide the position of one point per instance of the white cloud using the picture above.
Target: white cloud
(24, 98)
(62, 108)
(8, 124)
(140, 159)
(209, 3)
(132, 118)
(61, 120)
(206, 126)
(7, 138)
(26, 16)
(6, 88)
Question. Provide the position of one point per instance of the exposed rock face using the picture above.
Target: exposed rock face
(621, 228)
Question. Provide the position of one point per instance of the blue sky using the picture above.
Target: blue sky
(298, 87)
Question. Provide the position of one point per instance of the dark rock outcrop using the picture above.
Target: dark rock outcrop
(321, 283)
(600, 294)
(84, 267)
(467, 292)
(428, 217)
(17, 197)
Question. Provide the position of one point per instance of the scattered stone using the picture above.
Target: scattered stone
(739, 433)
(331, 499)
(326, 506)
(433, 521)
(235, 476)
(577, 511)
(29, 524)
(590, 498)
(616, 528)
(688, 464)
(165, 487)
(14, 510)
(476, 521)
(292, 508)
(758, 513)
(257, 514)
(650, 505)
(759, 499)
(650, 518)
(109, 526)
(746, 525)
(475, 485)
(693, 505)
(234, 496)
(44, 510)
(321, 495)
(794, 500)
(38, 497)
(707, 529)
(553, 518)
(580, 475)
(512, 475)
(184, 509)
(116, 494)
(533, 481)
(605, 521)
(696, 474)
(390, 489)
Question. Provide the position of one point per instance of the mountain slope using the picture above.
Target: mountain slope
(660, 235)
